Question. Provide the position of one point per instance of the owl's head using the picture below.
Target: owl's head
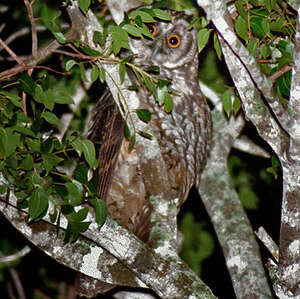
(173, 45)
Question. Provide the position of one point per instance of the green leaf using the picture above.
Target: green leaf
(74, 229)
(227, 103)
(8, 143)
(27, 163)
(101, 210)
(94, 73)
(144, 115)
(126, 131)
(81, 174)
(217, 46)
(133, 30)
(77, 145)
(161, 14)
(3, 189)
(248, 198)
(120, 39)
(43, 97)
(69, 64)
(82, 72)
(89, 153)
(146, 17)
(168, 102)
(15, 99)
(275, 165)
(60, 37)
(51, 118)
(49, 161)
(149, 84)
(241, 28)
(91, 52)
(47, 146)
(241, 10)
(265, 51)
(145, 31)
(27, 84)
(24, 131)
(202, 38)
(81, 214)
(122, 72)
(38, 203)
(131, 142)
(153, 69)
(99, 38)
(60, 95)
(75, 191)
(102, 74)
(265, 26)
(236, 105)
(84, 5)
(252, 47)
(257, 27)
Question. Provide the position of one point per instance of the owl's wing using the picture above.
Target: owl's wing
(106, 132)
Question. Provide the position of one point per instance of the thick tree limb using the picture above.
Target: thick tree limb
(227, 215)
(238, 62)
(167, 277)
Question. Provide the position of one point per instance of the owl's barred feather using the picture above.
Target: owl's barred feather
(183, 135)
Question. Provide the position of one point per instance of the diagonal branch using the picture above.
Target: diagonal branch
(169, 278)
(228, 216)
(243, 68)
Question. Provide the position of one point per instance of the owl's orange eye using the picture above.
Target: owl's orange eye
(152, 29)
(174, 40)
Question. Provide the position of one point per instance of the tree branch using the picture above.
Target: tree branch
(227, 215)
(243, 68)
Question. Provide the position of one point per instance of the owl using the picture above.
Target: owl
(183, 135)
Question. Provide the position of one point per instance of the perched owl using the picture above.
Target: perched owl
(183, 135)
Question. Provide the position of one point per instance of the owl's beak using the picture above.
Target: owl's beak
(157, 45)
(155, 51)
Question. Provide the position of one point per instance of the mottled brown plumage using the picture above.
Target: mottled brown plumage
(183, 134)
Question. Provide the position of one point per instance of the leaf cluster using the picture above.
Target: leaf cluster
(267, 28)
(35, 163)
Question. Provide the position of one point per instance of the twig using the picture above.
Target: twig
(10, 290)
(33, 27)
(73, 48)
(268, 242)
(17, 283)
(78, 54)
(280, 72)
(25, 31)
(13, 272)
(2, 27)
(16, 256)
(11, 52)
